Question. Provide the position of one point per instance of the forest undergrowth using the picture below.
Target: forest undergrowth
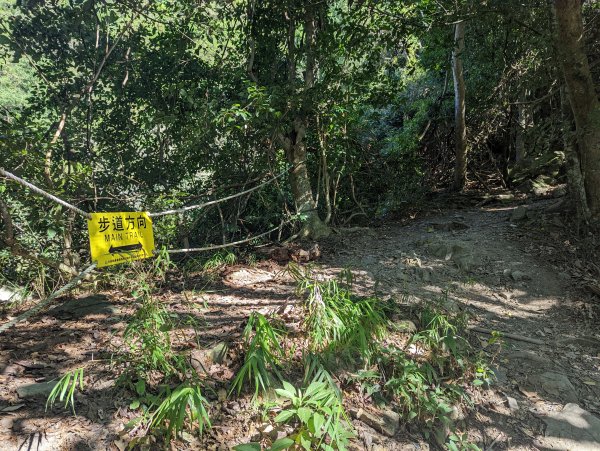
(340, 355)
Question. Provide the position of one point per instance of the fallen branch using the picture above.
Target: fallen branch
(71, 284)
(482, 330)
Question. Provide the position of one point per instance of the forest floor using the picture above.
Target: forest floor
(514, 269)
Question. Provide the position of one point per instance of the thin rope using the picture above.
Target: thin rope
(221, 246)
(71, 284)
(41, 192)
(216, 201)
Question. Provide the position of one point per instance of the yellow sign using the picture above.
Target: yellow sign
(120, 237)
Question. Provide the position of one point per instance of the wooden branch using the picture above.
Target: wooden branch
(482, 330)
(16, 249)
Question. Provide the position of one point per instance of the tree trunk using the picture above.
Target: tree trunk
(523, 123)
(293, 141)
(582, 97)
(574, 177)
(460, 130)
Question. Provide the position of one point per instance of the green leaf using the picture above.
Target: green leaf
(247, 447)
(284, 393)
(134, 404)
(140, 387)
(282, 443)
(284, 416)
(304, 413)
(289, 387)
(316, 423)
(305, 441)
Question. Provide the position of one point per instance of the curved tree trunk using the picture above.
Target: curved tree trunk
(582, 97)
(460, 129)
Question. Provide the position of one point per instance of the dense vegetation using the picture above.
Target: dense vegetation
(125, 105)
(354, 110)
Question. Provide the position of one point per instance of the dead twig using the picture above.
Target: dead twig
(483, 330)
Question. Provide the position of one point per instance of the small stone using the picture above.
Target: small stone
(265, 429)
(406, 326)
(519, 213)
(278, 434)
(218, 352)
(457, 413)
(187, 437)
(10, 295)
(6, 424)
(33, 390)
(203, 359)
(519, 276)
(500, 374)
(95, 304)
(386, 422)
(512, 404)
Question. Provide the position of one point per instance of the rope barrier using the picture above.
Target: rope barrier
(216, 201)
(71, 284)
(162, 213)
(41, 192)
(65, 204)
(222, 246)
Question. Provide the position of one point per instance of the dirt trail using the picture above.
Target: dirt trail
(509, 275)
(487, 265)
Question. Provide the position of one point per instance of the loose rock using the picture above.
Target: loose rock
(386, 422)
(519, 213)
(33, 390)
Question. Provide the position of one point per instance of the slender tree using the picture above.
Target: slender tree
(460, 129)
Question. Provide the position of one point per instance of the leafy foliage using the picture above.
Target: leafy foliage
(64, 390)
(336, 318)
(263, 353)
(319, 413)
(184, 403)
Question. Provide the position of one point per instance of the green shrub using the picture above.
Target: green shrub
(263, 353)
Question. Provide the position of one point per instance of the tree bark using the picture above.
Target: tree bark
(582, 97)
(460, 129)
(574, 177)
(523, 123)
(293, 141)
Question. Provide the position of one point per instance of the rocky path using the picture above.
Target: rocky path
(485, 262)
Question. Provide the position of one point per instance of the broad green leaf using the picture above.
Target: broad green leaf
(304, 413)
(140, 387)
(284, 416)
(282, 443)
(317, 422)
(247, 447)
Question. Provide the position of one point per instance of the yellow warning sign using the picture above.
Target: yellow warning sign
(120, 237)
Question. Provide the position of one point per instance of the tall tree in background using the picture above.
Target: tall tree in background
(460, 129)
(582, 97)
(293, 140)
